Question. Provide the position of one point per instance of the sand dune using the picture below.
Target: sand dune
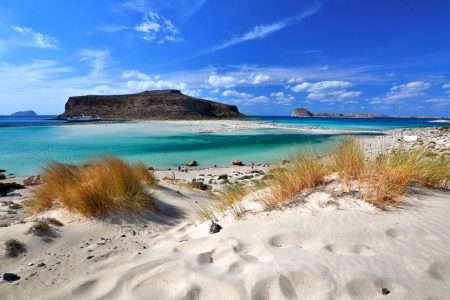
(320, 250)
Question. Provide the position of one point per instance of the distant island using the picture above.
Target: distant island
(24, 113)
(303, 112)
(148, 105)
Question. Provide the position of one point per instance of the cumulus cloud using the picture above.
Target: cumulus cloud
(224, 81)
(282, 98)
(330, 90)
(411, 89)
(138, 81)
(259, 78)
(157, 28)
(30, 38)
(446, 87)
(236, 94)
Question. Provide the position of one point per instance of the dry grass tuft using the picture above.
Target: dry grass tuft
(381, 181)
(13, 248)
(303, 173)
(348, 160)
(97, 189)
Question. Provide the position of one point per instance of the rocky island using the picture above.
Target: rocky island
(303, 112)
(149, 105)
(24, 113)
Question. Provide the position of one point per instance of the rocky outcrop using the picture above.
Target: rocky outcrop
(301, 112)
(156, 105)
(25, 113)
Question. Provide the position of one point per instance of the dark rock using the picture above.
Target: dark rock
(223, 176)
(192, 163)
(90, 257)
(2, 171)
(237, 162)
(163, 104)
(2, 176)
(10, 277)
(40, 265)
(6, 188)
(15, 206)
(385, 291)
(199, 185)
(301, 112)
(215, 228)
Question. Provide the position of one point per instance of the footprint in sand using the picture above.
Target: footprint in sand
(440, 270)
(286, 240)
(410, 234)
(295, 285)
(350, 250)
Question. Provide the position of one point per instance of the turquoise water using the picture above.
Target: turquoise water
(28, 145)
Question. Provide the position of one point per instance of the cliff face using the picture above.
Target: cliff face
(157, 105)
(302, 112)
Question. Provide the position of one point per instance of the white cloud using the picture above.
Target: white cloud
(282, 98)
(157, 28)
(446, 87)
(321, 86)
(236, 94)
(218, 81)
(330, 90)
(30, 38)
(411, 89)
(261, 31)
(259, 78)
(138, 81)
(96, 58)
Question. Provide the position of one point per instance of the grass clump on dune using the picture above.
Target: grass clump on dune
(381, 181)
(97, 189)
(302, 173)
(348, 160)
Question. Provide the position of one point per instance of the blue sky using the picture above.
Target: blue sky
(267, 57)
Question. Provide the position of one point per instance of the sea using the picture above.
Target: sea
(28, 144)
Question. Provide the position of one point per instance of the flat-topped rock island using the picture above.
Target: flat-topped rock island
(149, 105)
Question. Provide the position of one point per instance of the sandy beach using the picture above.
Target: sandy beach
(325, 244)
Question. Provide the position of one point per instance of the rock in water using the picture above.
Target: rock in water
(237, 162)
(215, 228)
(192, 163)
(10, 277)
(158, 105)
(301, 112)
(32, 180)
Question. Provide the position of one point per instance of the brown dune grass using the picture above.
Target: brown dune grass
(302, 173)
(348, 160)
(381, 181)
(99, 188)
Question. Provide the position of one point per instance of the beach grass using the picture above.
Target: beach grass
(381, 180)
(96, 189)
(287, 181)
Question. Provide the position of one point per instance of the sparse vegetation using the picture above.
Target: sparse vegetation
(13, 248)
(348, 160)
(96, 189)
(381, 181)
(40, 228)
(287, 181)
